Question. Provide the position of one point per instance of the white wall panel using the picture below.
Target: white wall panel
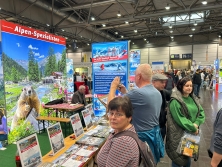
(219, 52)
(144, 55)
(75, 56)
(159, 54)
(181, 49)
(200, 53)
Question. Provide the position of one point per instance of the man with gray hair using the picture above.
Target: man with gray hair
(146, 101)
(79, 96)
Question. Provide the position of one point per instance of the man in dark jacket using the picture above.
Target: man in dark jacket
(197, 82)
(159, 82)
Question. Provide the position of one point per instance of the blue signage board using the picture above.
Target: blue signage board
(134, 62)
(109, 59)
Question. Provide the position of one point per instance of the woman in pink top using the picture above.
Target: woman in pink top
(120, 151)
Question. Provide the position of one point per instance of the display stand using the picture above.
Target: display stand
(29, 151)
(56, 138)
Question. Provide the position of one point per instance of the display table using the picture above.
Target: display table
(68, 143)
(64, 107)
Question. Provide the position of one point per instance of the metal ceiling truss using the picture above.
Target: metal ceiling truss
(145, 16)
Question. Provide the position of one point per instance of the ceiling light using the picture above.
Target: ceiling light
(62, 30)
(69, 45)
(87, 43)
(103, 25)
(190, 35)
(122, 36)
(116, 32)
(147, 41)
(77, 47)
(126, 22)
(135, 31)
(171, 37)
(219, 36)
(67, 38)
(48, 25)
(193, 29)
(171, 31)
(170, 26)
(81, 36)
(156, 33)
(167, 7)
(92, 18)
(133, 43)
(210, 27)
(118, 14)
(144, 39)
(195, 24)
(129, 40)
(204, 2)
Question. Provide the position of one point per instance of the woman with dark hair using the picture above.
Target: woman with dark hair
(185, 114)
(3, 126)
(120, 151)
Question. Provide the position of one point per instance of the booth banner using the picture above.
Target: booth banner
(207, 67)
(109, 60)
(134, 62)
(29, 151)
(2, 90)
(56, 138)
(158, 67)
(34, 72)
(69, 73)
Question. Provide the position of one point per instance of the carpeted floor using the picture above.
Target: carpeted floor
(7, 157)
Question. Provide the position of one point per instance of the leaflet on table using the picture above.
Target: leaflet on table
(104, 76)
(76, 124)
(86, 151)
(29, 151)
(97, 130)
(109, 51)
(90, 108)
(87, 118)
(56, 137)
(92, 141)
(75, 161)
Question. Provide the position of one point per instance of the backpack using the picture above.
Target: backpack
(146, 156)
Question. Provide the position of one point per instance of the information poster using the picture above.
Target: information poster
(90, 108)
(87, 118)
(158, 67)
(109, 60)
(134, 62)
(29, 151)
(76, 125)
(56, 137)
(32, 73)
(69, 70)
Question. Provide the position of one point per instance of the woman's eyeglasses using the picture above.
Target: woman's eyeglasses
(117, 115)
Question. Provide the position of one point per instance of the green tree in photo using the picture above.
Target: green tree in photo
(62, 64)
(15, 75)
(12, 70)
(50, 66)
(33, 68)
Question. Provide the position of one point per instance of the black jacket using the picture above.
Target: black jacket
(197, 79)
(165, 98)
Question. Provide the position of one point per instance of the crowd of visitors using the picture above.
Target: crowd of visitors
(161, 108)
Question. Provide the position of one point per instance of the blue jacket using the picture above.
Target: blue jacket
(154, 139)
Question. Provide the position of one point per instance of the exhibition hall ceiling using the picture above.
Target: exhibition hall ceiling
(87, 21)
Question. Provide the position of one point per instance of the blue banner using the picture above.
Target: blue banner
(134, 62)
(109, 59)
